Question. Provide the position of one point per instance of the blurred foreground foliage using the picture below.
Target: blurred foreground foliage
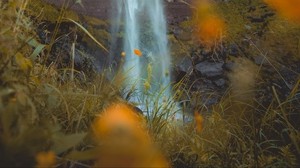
(47, 113)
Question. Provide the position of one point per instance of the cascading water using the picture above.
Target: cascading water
(144, 26)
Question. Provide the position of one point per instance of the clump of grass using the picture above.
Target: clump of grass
(266, 138)
(237, 131)
(46, 115)
(42, 108)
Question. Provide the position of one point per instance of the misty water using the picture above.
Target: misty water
(144, 25)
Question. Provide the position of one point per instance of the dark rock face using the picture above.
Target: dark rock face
(210, 69)
(229, 66)
(96, 8)
(104, 10)
(61, 49)
(185, 65)
(176, 11)
(220, 82)
(233, 50)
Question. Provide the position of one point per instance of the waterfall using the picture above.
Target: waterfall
(144, 26)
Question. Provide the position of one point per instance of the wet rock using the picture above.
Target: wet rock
(229, 66)
(210, 69)
(197, 56)
(233, 50)
(203, 84)
(206, 52)
(85, 53)
(175, 10)
(182, 68)
(220, 82)
(185, 65)
(197, 85)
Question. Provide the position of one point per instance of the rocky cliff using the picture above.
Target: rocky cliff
(103, 8)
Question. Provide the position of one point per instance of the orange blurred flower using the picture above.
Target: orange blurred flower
(124, 139)
(209, 26)
(138, 52)
(198, 122)
(286, 8)
(118, 116)
(210, 30)
(45, 159)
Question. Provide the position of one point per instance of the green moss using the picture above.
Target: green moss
(41, 11)
(186, 24)
(232, 13)
(178, 49)
(95, 21)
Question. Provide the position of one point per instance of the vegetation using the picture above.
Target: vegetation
(54, 114)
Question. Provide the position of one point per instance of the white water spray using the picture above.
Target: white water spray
(144, 26)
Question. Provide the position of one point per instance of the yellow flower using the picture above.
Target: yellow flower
(24, 63)
(147, 85)
(123, 54)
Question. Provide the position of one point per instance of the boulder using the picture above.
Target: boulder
(220, 82)
(185, 65)
(210, 69)
(229, 66)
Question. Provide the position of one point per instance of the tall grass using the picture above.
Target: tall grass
(40, 109)
(46, 118)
